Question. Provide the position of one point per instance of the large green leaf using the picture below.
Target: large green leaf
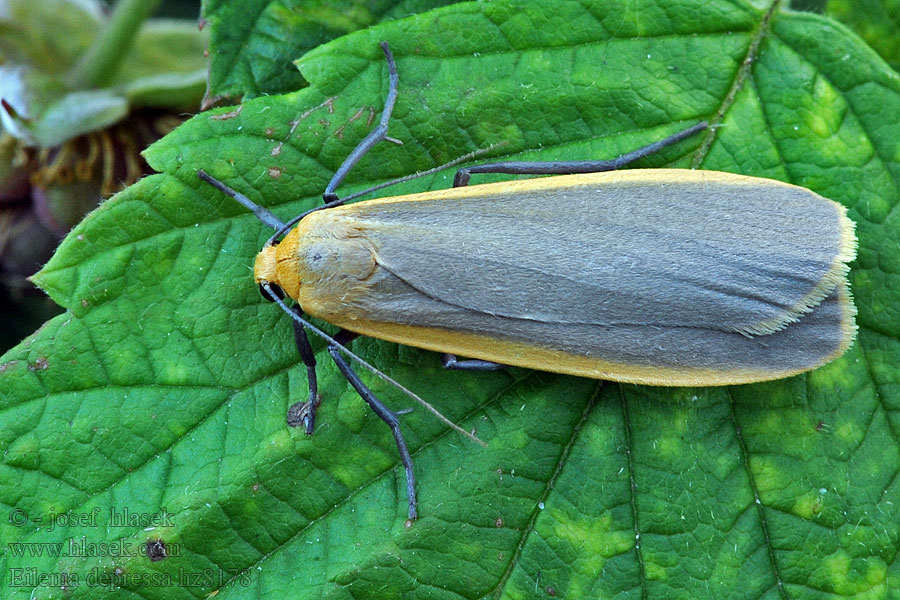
(164, 386)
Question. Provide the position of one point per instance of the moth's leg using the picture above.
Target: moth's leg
(449, 361)
(575, 166)
(303, 413)
(383, 412)
(376, 135)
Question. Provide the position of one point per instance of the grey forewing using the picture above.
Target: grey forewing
(805, 344)
(725, 258)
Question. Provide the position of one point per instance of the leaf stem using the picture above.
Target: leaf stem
(101, 61)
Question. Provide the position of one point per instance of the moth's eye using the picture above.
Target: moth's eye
(275, 290)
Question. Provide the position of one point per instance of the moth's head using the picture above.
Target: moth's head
(266, 275)
(265, 266)
(276, 265)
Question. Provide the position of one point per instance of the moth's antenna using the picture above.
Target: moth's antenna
(261, 212)
(268, 218)
(346, 352)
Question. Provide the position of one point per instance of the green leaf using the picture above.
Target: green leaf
(164, 387)
(257, 40)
